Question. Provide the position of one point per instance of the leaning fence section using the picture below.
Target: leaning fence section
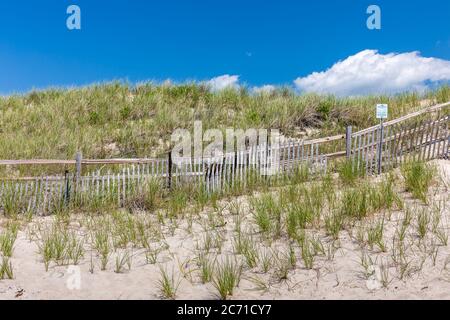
(421, 136)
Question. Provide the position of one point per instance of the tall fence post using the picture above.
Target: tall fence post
(67, 187)
(380, 148)
(169, 170)
(348, 141)
(78, 160)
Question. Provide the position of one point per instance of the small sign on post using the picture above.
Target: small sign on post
(382, 113)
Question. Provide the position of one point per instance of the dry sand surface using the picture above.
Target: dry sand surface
(337, 274)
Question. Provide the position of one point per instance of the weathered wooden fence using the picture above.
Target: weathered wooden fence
(241, 168)
(214, 174)
(422, 135)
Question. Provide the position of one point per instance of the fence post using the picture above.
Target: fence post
(67, 187)
(348, 141)
(78, 159)
(380, 148)
(169, 170)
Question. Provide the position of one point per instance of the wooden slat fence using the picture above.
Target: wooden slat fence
(423, 136)
(226, 171)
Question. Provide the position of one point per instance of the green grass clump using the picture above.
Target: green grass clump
(123, 259)
(351, 170)
(375, 236)
(102, 244)
(303, 204)
(359, 202)
(355, 203)
(226, 277)
(6, 269)
(266, 212)
(206, 266)
(7, 239)
(423, 219)
(384, 196)
(334, 223)
(60, 245)
(167, 284)
(418, 178)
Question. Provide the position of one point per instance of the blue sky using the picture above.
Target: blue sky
(262, 42)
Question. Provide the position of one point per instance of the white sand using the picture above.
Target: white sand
(340, 278)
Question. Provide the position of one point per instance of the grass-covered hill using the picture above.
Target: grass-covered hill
(119, 120)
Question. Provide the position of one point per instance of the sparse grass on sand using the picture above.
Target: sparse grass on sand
(321, 237)
(337, 235)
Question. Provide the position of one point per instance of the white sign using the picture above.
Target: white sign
(382, 111)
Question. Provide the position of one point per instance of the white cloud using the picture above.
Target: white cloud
(369, 72)
(268, 88)
(223, 82)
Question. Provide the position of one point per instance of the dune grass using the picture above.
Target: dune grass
(60, 245)
(167, 284)
(120, 120)
(418, 178)
(226, 277)
(6, 269)
(7, 239)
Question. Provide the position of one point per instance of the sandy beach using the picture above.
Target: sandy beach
(338, 273)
